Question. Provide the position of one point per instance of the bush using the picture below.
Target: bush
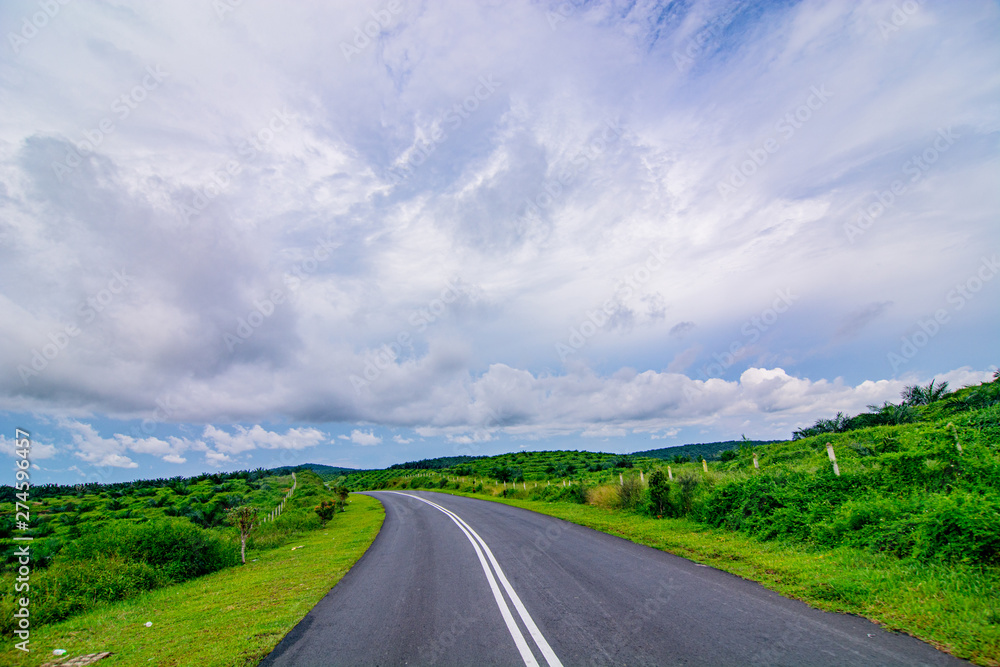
(659, 492)
(605, 496)
(630, 492)
(960, 527)
(325, 510)
(688, 483)
(73, 587)
(177, 548)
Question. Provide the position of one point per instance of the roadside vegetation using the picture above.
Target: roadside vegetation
(101, 550)
(916, 505)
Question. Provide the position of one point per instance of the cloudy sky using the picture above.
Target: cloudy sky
(246, 233)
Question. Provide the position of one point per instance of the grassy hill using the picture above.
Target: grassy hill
(96, 544)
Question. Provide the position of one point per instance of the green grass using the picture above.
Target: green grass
(232, 617)
(955, 608)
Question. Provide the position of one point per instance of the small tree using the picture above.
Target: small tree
(325, 510)
(244, 518)
(342, 493)
(917, 395)
(659, 492)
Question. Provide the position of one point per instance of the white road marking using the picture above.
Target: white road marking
(529, 623)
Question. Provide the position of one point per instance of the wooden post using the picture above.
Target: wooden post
(755, 463)
(670, 474)
(621, 480)
(704, 465)
(641, 478)
(833, 458)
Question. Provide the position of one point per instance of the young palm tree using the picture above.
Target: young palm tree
(917, 395)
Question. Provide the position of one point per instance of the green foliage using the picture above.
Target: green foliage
(659, 492)
(709, 450)
(176, 548)
(326, 509)
(71, 587)
(631, 492)
(917, 395)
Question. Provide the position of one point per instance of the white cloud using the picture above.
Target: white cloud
(313, 287)
(365, 439)
(37, 451)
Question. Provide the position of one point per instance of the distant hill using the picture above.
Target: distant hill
(435, 464)
(324, 471)
(710, 450)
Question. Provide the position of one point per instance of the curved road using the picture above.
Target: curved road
(458, 581)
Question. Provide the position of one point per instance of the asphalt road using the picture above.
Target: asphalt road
(470, 582)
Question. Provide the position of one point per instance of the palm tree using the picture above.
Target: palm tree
(917, 395)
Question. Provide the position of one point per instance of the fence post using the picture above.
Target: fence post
(833, 458)
(670, 474)
(755, 463)
(641, 478)
(704, 465)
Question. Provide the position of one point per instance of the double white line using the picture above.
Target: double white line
(515, 632)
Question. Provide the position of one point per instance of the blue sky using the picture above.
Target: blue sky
(250, 234)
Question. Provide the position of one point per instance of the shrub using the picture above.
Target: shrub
(630, 492)
(688, 483)
(605, 496)
(659, 492)
(72, 587)
(325, 510)
(177, 548)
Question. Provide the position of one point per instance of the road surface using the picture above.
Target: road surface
(458, 581)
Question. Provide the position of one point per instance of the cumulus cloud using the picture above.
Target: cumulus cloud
(405, 237)
(365, 439)
(37, 451)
